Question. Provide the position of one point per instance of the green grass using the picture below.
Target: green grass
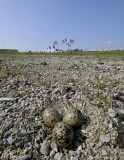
(102, 55)
(95, 53)
(73, 80)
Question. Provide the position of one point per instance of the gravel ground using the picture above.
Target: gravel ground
(30, 84)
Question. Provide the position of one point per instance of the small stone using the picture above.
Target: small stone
(7, 99)
(98, 145)
(120, 138)
(37, 145)
(97, 157)
(35, 154)
(58, 156)
(80, 148)
(10, 140)
(54, 147)
(71, 153)
(104, 153)
(121, 113)
(92, 144)
(23, 103)
(71, 158)
(110, 125)
(112, 113)
(24, 157)
(45, 149)
(38, 138)
(25, 151)
(52, 153)
(105, 138)
(106, 158)
(18, 150)
(92, 152)
(78, 153)
(63, 158)
(84, 145)
(15, 130)
(115, 121)
(106, 124)
(67, 156)
(75, 158)
(90, 158)
(2, 106)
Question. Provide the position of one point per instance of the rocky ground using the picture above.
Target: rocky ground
(30, 84)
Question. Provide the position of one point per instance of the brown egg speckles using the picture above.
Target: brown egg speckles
(51, 117)
(73, 117)
(63, 134)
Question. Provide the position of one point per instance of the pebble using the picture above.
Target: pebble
(25, 151)
(104, 153)
(105, 138)
(115, 121)
(37, 145)
(90, 158)
(52, 153)
(45, 149)
(58, 156)
(121, 114)
(10, 140)
(2, 106)
(71, 153)
(7, 99)
(54, 147)
(64, 158)
(80, 148)
(106, 158)
(110, 125)
(112, 113)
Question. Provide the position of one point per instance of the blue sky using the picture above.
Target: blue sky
(35, 24)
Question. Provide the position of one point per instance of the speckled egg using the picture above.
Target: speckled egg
(51, 116)
(63, 134)
(73, 117)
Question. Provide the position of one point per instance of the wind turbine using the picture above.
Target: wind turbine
(109, 44)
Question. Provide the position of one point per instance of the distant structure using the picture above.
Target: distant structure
(8, 51)
(109, 44)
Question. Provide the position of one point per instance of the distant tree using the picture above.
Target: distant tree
(76, 50)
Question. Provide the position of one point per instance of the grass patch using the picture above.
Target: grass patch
(73, 80)
(89, 53)
(103, 55)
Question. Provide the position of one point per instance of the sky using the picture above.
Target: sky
(35, 24)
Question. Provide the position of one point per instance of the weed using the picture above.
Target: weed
(87, 92)
(3, 71)
(120, 146)
(91, 82)
(99, 86)
(1, 93)
(20, 58)
(73, 80)
(113, 124)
